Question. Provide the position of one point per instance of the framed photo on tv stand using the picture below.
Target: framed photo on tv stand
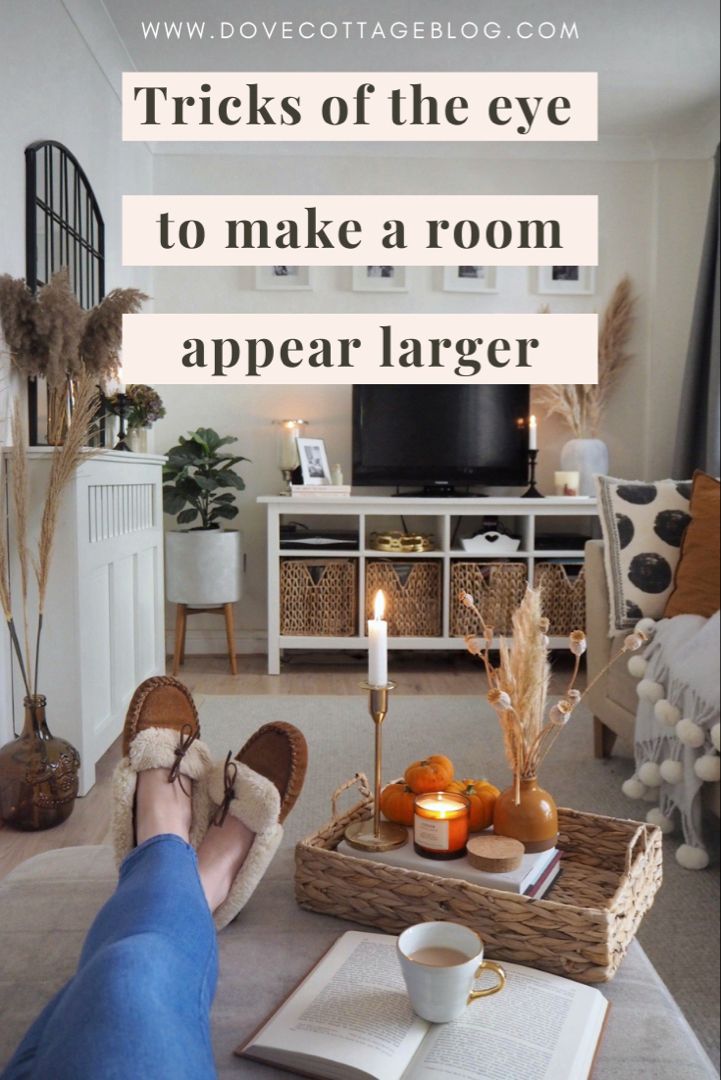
(313, 461)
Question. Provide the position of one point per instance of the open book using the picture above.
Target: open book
(351, 1018)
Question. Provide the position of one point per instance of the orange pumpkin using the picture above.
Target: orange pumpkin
(397, 803)
(431, 774)
(483, 799)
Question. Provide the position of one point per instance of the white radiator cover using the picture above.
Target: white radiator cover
(104, 618)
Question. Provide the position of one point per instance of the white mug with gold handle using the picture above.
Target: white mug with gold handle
(441, 962)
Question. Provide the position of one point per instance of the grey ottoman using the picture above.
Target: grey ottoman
(47, 904)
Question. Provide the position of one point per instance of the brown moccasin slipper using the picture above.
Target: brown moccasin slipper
(260, 788)
(161, 732)
(279, 752)
(160, 702)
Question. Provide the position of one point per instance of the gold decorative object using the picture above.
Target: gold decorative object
(402, 542)
(374, 834)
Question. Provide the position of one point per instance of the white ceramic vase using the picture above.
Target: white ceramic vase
(203, 567)
(587, 457)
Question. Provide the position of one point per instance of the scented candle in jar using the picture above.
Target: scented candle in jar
(441, 825)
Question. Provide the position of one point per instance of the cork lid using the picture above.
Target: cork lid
(495, 854)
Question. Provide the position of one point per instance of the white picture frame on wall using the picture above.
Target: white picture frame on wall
(380, 279)
(566, 280)
(284, 278)
(470, 279)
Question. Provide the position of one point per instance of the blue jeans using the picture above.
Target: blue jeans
(138, 1007)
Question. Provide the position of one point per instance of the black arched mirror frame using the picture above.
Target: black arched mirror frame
(63, 228)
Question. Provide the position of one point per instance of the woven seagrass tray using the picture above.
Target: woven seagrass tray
(582, 927)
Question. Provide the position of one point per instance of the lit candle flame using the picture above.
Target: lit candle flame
(532, 423)
(379, 605)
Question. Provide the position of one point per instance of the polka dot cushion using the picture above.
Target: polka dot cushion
(643, 525)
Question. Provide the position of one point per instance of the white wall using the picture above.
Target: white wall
(651, 223)
(652, 217)
(52, 87)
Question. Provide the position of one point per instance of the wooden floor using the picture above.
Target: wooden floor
(414, 673)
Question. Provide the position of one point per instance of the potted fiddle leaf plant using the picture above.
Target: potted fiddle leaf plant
(203, 563)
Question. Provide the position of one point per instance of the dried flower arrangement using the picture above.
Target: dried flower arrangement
(582, 407)
(48, 334)
(518, 686)
(65, 461)
(143, 405)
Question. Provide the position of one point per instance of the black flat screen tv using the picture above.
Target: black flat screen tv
(440, 437)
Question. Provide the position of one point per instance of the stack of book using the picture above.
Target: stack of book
(324, 491)
(533, 877)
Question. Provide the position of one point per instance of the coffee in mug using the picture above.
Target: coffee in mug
(441, 962)
(439, 957)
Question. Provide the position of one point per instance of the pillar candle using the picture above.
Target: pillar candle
(378, 644)
(288, 446)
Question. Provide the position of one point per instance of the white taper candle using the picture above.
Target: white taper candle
(378, 644)
(532, 433)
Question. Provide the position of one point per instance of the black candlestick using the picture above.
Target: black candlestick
(121, 410)
(532, 492)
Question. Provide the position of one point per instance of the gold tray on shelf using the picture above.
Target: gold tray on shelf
(401, 542)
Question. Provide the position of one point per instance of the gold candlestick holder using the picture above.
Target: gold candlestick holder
(374, 834)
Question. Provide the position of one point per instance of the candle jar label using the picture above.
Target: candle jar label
(431, 835)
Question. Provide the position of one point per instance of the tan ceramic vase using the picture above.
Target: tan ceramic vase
(38, 774)
(534, 821)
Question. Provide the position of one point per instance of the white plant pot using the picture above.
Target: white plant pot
(203, 567)
(587, 457)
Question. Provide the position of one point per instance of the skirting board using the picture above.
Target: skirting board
(211, 642)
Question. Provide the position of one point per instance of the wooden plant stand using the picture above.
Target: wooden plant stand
(181, 617)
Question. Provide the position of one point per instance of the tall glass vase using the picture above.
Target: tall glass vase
(587, 457)
(38, 774)
(61, 403)
(527, 813)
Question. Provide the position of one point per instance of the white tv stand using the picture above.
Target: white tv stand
(443, 517)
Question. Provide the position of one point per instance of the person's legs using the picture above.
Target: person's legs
(140, 1000)
(139, 1003)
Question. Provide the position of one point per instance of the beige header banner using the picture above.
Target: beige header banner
(349, 348)
(352, 230)
(227, 106)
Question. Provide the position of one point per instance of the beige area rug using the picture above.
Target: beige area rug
(680, 934)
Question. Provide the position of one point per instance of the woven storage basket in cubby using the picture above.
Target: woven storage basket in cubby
(413, 595)
(563, 598)
(318, 597)
(497, 588)
(611, 871)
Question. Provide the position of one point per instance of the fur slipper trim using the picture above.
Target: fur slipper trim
(122, 830)
(250, 874)
(154, 748)
(256, 802)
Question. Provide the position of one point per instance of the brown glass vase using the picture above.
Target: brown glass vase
(38, 774)
(533, 819)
